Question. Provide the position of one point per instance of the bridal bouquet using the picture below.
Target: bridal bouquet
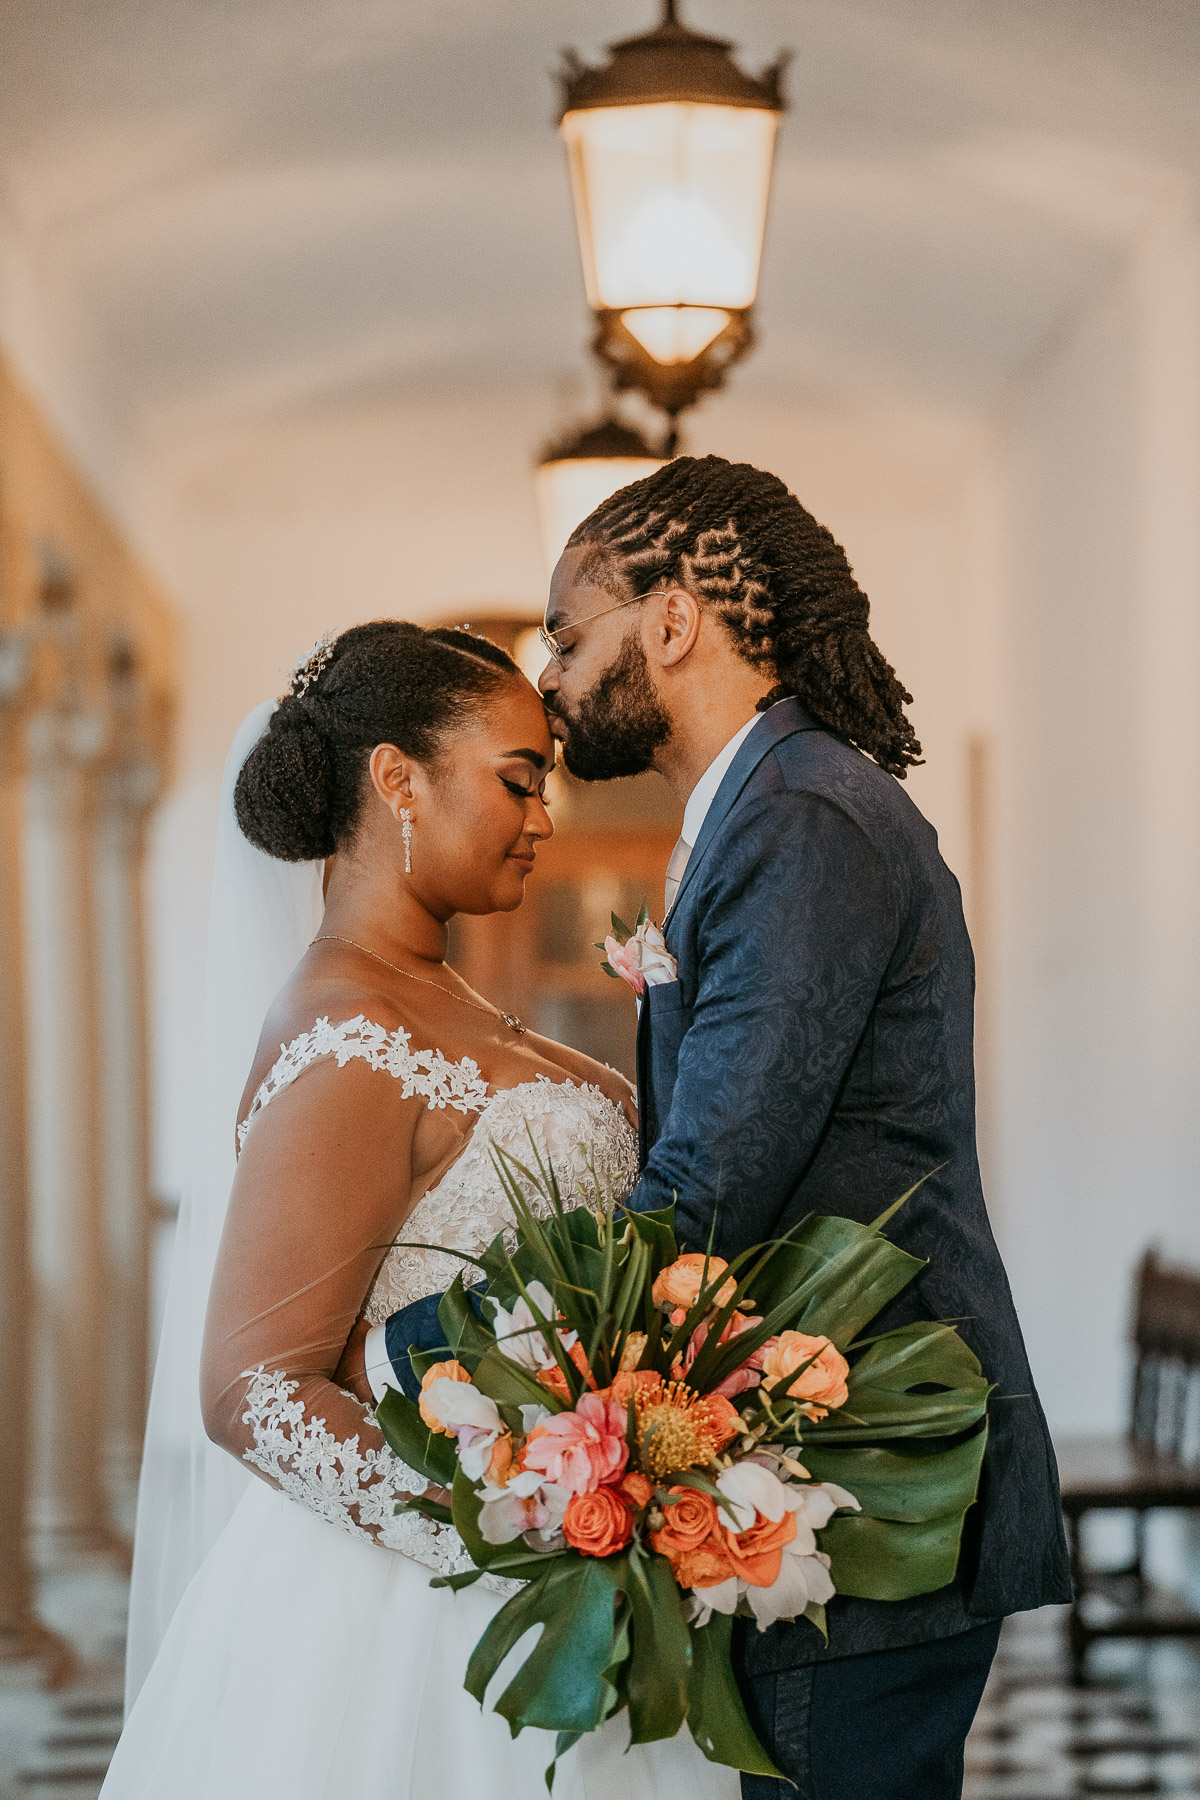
(651, 1444)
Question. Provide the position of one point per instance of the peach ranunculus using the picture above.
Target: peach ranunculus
(686, 1523)
(706, 1566)
(581, 1449)
(631, 1382)
(724, 1418)
(822, 1384)
(634, 1489)
(597, 1524)
(757, 1555)
(680, 1283)
(501, 1462)
(553, 1379)
(442, 1371)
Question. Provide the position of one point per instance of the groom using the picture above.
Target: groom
(815, 1053)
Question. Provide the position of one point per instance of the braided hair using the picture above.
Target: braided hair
(783, 588)
(300, 792)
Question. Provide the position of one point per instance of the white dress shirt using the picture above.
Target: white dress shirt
(705, 790)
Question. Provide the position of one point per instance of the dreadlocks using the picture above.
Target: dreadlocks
(783, 588)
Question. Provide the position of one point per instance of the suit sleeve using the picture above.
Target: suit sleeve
(798, 921)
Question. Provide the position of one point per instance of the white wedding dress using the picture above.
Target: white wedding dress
(309, 1658)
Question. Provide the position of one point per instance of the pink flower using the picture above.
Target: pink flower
(623, 959)
(746, 1375)
(578, 1450)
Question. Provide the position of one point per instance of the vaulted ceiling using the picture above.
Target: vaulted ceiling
(254, 204)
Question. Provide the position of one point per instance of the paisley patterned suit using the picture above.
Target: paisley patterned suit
(816, 1055)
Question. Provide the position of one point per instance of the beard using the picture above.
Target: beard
(619, 724)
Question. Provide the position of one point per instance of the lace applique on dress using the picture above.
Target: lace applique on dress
(425, 1073)
(354, 1489)
(574, 1126)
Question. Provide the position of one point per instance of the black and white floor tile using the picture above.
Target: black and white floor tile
(1134, 1729)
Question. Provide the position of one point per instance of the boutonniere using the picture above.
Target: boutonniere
(640, 956)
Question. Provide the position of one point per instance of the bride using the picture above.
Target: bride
(309, 1658)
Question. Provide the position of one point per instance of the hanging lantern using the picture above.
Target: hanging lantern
(575, 474)
(670, 147)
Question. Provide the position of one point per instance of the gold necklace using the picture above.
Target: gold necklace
(510, 1019)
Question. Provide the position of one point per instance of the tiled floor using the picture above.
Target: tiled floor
(56, 1746)
(1134, 1730)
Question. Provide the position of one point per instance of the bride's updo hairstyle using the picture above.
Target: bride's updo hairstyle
(302, 787)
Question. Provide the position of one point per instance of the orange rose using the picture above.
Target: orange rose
(703, 1567)
(597, 1524)
(686, 1524)
(442, 1371)
(823, 1382)
(724, 1419)
(635, 1489)
(554, 1379)
(680, 1284)
(756, 1554)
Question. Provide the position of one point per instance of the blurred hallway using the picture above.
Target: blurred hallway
(289, 299)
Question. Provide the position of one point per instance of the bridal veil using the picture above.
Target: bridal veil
(263, 915)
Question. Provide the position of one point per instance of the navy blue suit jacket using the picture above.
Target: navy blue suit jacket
(815, 1055)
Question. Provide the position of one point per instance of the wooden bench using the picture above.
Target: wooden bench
(1154, 1466)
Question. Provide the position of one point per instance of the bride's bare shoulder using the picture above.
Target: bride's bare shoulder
(307, 1003)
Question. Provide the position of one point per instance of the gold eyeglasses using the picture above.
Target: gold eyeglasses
(558, 650)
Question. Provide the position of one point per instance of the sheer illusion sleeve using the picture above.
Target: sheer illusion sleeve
(322, 1187)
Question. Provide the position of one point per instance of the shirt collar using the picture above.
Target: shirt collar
(705, 790)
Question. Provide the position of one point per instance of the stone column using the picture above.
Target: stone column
(127, 787)
(64, 738)
(25, 1643)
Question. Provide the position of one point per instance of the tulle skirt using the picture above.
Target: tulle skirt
(305, 1664)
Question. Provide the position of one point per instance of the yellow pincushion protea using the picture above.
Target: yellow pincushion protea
(676, 1428)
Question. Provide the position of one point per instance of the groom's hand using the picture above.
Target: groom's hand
(351, 1372)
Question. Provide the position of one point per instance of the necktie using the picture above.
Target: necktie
(675, 868)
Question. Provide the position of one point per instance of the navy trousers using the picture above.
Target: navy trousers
(887, 1726)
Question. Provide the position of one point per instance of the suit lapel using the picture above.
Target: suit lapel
(781, 721)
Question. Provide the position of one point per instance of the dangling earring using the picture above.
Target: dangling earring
(406, 834)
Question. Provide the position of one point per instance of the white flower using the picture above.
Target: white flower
(749, 1488)
(643, 960)
(803, 1579)
(472, 1419)
(751, 1491)
(818, 1502)
(519, 1336)
(528, 1503)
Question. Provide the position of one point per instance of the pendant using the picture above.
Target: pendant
(514, 1024)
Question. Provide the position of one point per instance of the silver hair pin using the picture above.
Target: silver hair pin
(309, 667)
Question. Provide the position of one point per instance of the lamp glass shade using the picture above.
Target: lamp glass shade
(675, 334)
(670, 202)
(570, 487)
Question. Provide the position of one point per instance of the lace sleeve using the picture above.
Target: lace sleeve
(322, 1188)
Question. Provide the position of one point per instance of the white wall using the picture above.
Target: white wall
(1091, 705)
